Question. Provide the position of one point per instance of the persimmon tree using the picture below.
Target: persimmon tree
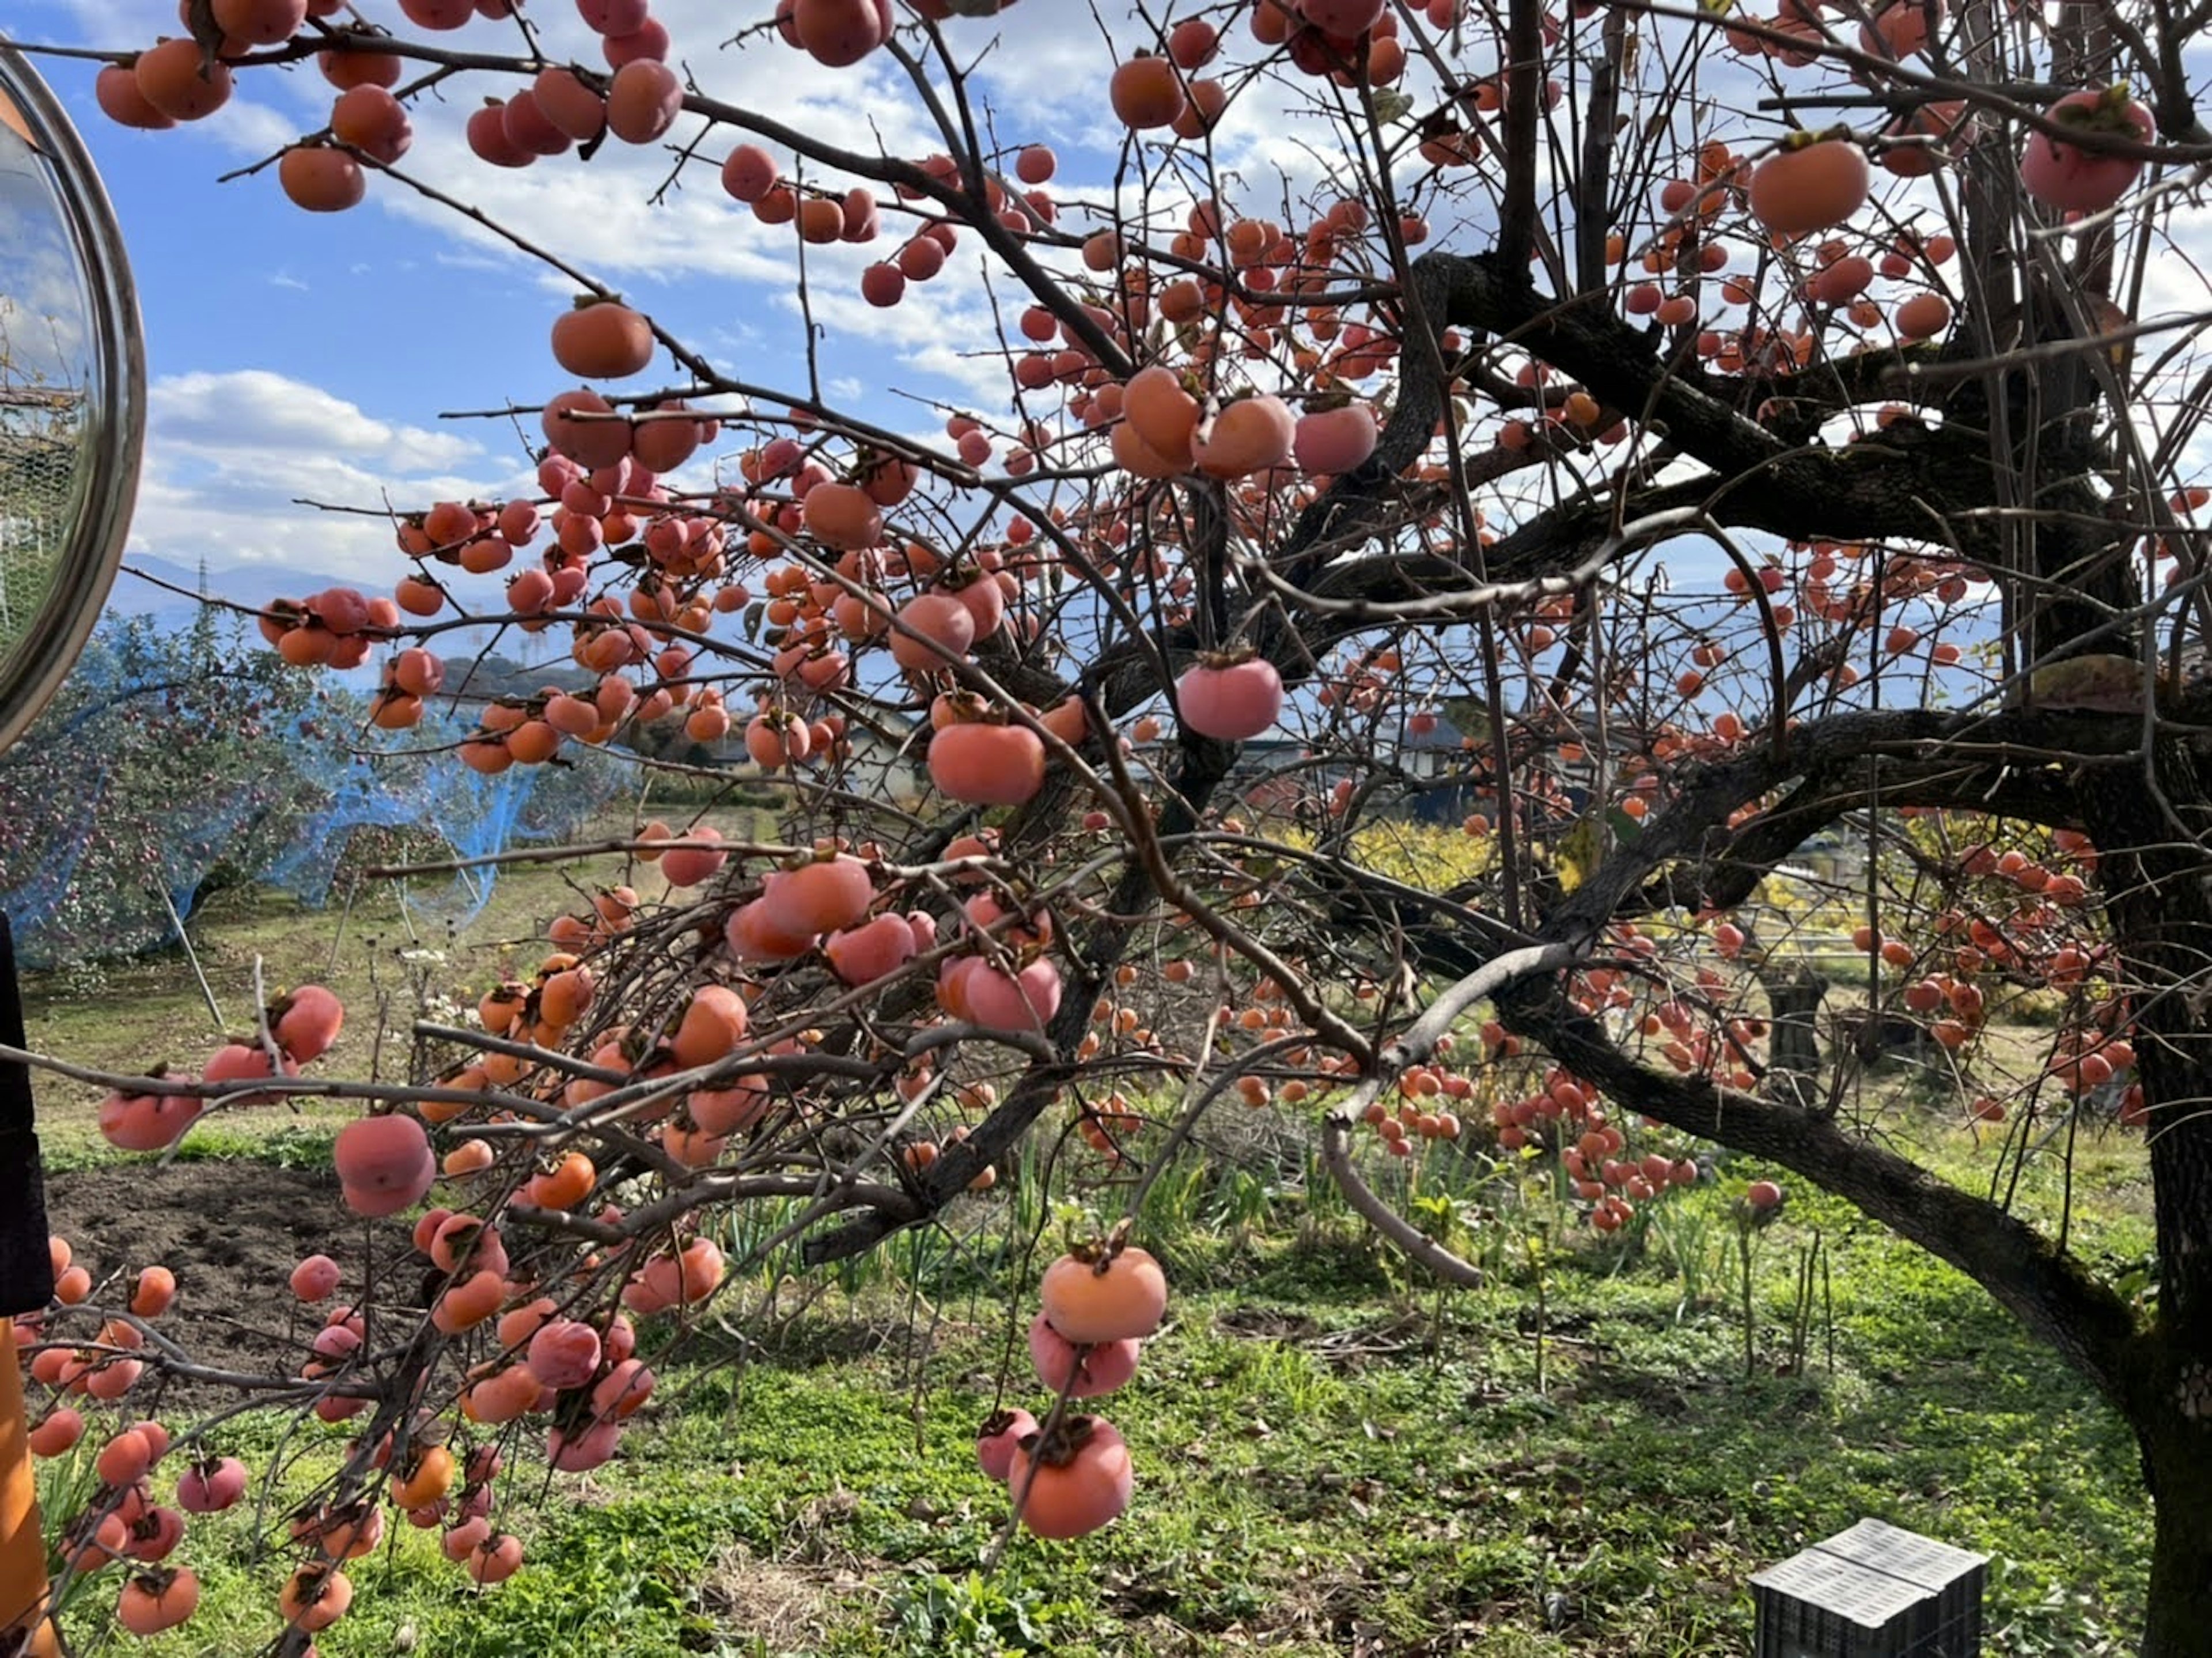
(1749, 429)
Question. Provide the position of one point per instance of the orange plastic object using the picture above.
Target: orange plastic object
(22, 1548)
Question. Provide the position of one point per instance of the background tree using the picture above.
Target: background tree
(1761, 428)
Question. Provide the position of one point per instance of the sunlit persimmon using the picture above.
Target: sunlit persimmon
(752, 936)
(569, 427)
(1146, 92)
(1161, 412)
(1250, 434)
(1107, 1297)
(177, 79)
(2075, 177)
(1081, 1372)
(470, 1301)
(871, 951)
(430, 1472)
(1229, 698)
(996, 1441)
(820, 896)
(315, 1597)
(152, 1291)
(384, 1164)
(712, 1022)
(154, 1600)
(643, 101)
(1024, 1000)
(930, 629)
(1073, 1481)
(572, 108)
(1810, 186)
(986, 764)
(602, 339)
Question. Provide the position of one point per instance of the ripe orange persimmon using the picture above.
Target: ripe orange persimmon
(315, 1597)
(174, 80)
(572, 108)
(1230, 699)
(1252, 434)
(568, 1183)
(1095, 1296)
(373, 122)
(1073, 1481)
(306, 1021)
(839, 32)
(1145, 92)
(157, 1600)
(259, 22)
(1161, 413)
(1810, 184)
(930, 627)
(1923, 316)
(1083, 1372)
(469, 1303)
(643, 101)
(602, 339)
(844, 516)
(712, 1025)
(427, 1476)
(384, 1164)
(115, 90)
(986, 765)
(320, 179)
(822, 897)
(588, 442)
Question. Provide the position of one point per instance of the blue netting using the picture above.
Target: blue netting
(176, 763)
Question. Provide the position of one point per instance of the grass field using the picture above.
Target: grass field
(1331, 1457)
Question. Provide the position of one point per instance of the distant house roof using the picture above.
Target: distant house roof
(1443, 737)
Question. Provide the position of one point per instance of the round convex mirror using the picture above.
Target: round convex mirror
(72, 395)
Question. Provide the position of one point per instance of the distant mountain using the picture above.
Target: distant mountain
(252, 586)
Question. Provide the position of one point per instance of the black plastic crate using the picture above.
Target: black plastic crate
(1876, 1591)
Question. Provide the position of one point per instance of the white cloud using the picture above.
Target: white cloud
(229, 456)
(257, 412)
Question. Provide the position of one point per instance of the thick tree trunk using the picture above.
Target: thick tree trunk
(2152, 834)
(2178, 1459)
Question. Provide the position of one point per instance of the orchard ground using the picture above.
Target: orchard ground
(1331, 1457)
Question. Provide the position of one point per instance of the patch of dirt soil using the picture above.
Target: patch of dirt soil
(230, 1231)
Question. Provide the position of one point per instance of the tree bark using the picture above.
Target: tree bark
(2177, 1455)
(2157, 882)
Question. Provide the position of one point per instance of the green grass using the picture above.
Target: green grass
(1320, 1464)
(1331, 1457)
(388, 962)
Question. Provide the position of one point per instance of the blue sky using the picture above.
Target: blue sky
(297, 355)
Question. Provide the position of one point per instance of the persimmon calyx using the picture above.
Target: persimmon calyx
(1229, 656)
(2111, 111)
(1806, 137)
(1056, 1445)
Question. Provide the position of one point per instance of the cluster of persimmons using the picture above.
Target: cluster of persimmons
(670, 1053)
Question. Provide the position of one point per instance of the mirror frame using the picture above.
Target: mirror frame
(115, 425)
